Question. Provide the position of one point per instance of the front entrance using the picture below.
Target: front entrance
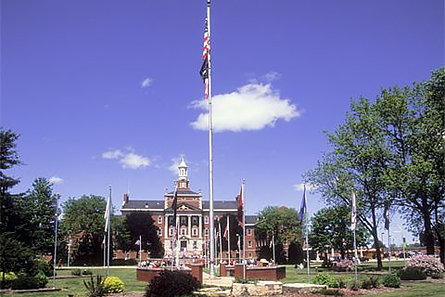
(183, 245)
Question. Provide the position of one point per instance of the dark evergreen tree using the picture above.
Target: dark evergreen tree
(141, 224)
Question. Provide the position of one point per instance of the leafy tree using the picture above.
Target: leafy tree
(15, 256)
(331, 229)
(141, 224)
(39, 206)
(357, 163)
(282, 224)
(83, 220)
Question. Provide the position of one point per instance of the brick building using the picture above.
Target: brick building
(193, 214)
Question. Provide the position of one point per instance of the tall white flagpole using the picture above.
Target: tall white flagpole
(109, 233)
(243, 191)
(140, 248)
(308, 260)
(354, 227)
(228, 237)
(210, 124)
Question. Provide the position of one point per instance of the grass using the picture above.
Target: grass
(408, 288)
(76, 287)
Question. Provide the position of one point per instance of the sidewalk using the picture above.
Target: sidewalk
(217, 281)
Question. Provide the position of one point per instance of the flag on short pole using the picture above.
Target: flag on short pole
(303, 206)
(386, 215)
(204, 71)
(138, 242)
(271, 242)
(226, 230)
(354, 212)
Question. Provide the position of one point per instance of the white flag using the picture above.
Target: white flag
(107, 214)
(354, 213)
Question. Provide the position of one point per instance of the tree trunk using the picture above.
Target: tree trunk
(428, 235)
(375, 236)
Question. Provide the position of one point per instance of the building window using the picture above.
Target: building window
(206, 219)
(159, 219)
(195, 220)
(195, 244)
(207, 232)
(249, 231)
(250, 255)
(183, 231)
(159, 232)
(183, 221)
(249, 243)
(195, 231)
(171, 231)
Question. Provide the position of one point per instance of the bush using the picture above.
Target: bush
(428, 264)
(412, 273)
(42, 279)
(43, 265)
(25, 282)
(113, 284)
(343, 265)
(87, 272)
(172, 284)
(323, 278)
(76, 272)
(9, 278)
(96, 288)
(370, 283)
(436, 275)
(391, 281)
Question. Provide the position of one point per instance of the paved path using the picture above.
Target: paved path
(225, 281)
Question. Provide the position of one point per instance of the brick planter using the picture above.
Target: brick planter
(147, 274)
(270, 273)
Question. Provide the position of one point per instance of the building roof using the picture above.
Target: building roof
(142, 204)
(251, 219)
(184, 192)
(221, 204)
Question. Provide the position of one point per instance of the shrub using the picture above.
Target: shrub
(412, 273)
(343, 265)
(42, 279)
(428, 264)
(76, 272)
(172, 284)
(323, 278)
(87, 272)
(370, 283)
(41, 264)
(354, 286)
(9, 278)
(391, 281)
(96, 287)
(25, 282)
(113, 284)
(437, 275)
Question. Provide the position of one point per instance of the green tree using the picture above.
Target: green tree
(141, 224)
(282, 224)
(39, 206)
(15, 256)
(83, 219)
(331, 229)
(357, 163)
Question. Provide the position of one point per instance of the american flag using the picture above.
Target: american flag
(204, 72)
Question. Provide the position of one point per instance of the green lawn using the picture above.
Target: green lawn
(408, 288)
(128, 276)
(75, 286)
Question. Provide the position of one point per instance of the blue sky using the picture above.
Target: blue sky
(108, 92)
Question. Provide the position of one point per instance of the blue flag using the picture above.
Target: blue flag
(303, 207)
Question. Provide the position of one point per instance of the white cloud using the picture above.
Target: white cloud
(134, 161)
(251, 107)
(112, 154)
(271, 76)
(146, 83)
(128, 159)
(300, 187)
(173, 168)
(56, 180)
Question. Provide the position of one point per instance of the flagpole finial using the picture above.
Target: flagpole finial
(208, 2)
